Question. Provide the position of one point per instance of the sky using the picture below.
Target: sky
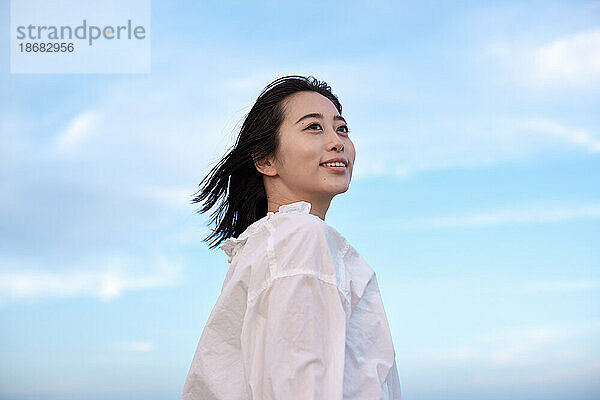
(475, 195)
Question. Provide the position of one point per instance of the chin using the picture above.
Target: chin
(338, 189)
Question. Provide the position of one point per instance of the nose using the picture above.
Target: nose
(336, 143)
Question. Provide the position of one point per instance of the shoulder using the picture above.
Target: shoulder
(297, 235)
(298, 225)
(305, 231)
(305, 244)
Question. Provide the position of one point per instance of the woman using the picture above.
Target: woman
(300, 314)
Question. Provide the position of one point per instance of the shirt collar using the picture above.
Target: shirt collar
(231, 245)
(302, 207)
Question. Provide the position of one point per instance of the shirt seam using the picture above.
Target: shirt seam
(342, 254)
(271, 248)
(274, 274)
(330, 279)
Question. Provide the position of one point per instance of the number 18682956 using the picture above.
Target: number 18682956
(47, 47)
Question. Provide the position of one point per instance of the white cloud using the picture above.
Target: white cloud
(183, 130)
(521, 215)
(171, 197)
(516, 347)
(521, 345)
(573, 59)
(554, 372)
(574, 136)
(137, 346)
(191, 234)
(469, 141)
(531, 215)
(77, 132)
(106, 279)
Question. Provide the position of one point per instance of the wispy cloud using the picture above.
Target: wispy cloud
(196, 122)
(575, 136)
(137, 346)
(526, 214)
(554, 372)
(513, 346)
(107, 280)
(571, 60)
(519, 346)
(531, 215)
(77, 132)
(469, 141)
(169, 196)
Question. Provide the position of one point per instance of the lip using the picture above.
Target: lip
(336, 159)
(335, 169)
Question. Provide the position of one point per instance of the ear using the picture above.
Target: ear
(266, 166)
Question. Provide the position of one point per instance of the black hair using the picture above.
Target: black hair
(235, 178)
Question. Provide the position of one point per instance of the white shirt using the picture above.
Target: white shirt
(299, 316)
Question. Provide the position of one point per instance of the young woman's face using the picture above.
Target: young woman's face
(306, 142)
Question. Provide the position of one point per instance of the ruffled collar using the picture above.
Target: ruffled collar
(301, 207)
(231, 245)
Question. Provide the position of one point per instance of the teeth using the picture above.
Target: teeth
(335, 164)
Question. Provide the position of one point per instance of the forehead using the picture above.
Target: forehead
(305, 102)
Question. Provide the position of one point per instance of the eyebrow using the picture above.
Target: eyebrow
(319, 115)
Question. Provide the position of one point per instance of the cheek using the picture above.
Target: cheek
(352, 150)
(302, 164)
(302, 157)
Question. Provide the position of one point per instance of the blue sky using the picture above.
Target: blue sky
(475, 194)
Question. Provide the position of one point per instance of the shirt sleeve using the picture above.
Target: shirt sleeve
(294, 334)
(298, 350)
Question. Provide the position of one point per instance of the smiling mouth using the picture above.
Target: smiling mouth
(334, 164)
(336, 168)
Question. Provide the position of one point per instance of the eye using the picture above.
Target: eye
(314, 124)
(344, 128)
